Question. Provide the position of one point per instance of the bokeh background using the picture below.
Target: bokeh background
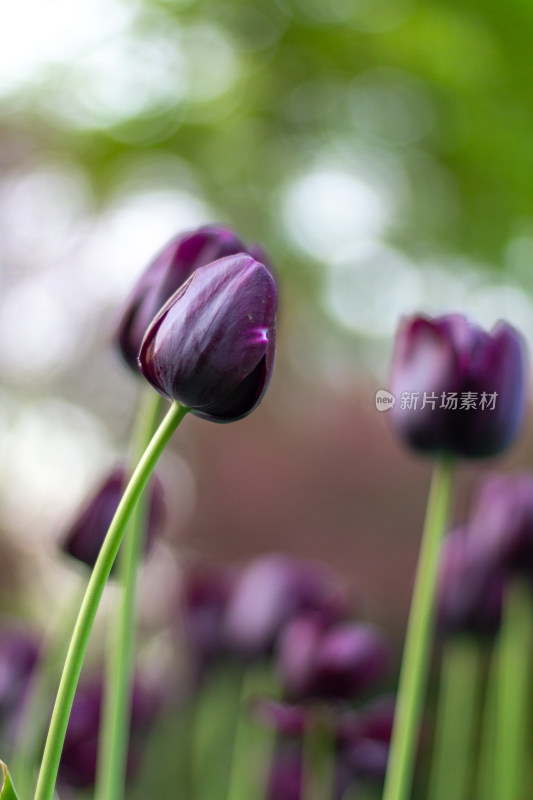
(380, 151)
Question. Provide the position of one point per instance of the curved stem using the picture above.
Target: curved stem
(82, 630)
(114, 728)
(417, 648)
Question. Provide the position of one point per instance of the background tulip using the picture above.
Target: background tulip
(211, 347)
(270, 592)
(470, 588)
(166, 273)
(458, 389)
(87, 532)
(502, 522)
(335, 663)
(78, 762)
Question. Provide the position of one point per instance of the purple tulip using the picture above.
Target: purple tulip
(166, 273)
(458, 389)
(501, 524)
(271, 591)
(19, 655)
(80, 752)
(364, 738)
(470, 589)
(87, 532)
(333, 663)
(211, 347)
(203, 600)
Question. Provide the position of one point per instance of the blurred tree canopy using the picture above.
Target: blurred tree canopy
(260, 92)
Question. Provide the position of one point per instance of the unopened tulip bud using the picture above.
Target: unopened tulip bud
(87, 532)
(167, 272)
(458, 389)
(211, 347)
(331, 663)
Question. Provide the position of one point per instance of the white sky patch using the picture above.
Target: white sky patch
(51, 452)
(333, 206)
(369, 290)
(36, 37)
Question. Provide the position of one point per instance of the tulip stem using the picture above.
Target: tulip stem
(457, 720)
(253, 743)
(115, 722)
(514, 670)
(319, 755)
(489, 721)
(82, 630)
(418, 640)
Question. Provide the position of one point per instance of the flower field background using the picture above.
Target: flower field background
(380, 152)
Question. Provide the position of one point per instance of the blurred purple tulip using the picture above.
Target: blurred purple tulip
(364, 738)
(470, 589)
(333, 663)
(80, 752)
(458, 389)
(87, 532)
(203, 599)
(19, 655)
(211, 347)
(166, 273)
(501, 525)
(271, 591)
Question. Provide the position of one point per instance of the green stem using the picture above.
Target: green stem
(457, 720)
(213, 731)
(319, 755)
(417, 648)
(514, 655)
(487, 743)
(114, 730)
(253, 742)
(80, 637)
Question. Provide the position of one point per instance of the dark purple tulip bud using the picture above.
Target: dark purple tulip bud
(88, 530)
(203, 600)
(19, 654)
(364, 738)
(211, 347)
(271, 591)
(470, 590)
(80, 752)
(458, 389)
(333, 663)
(501, 524)
(167, 272)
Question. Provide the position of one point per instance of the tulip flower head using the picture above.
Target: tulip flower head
(211, 347)
(333, 663)
(458, 389)
(502, 522)
(270, 592)
(79, 757)
(470, 587)
(88, 530)
(165, 274)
